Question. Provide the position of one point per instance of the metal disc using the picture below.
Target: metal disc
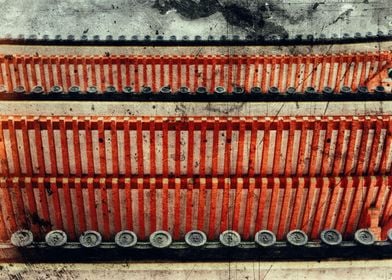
(230, 238)
(160, 239)
(389, 234)
(56, 238)
(22, 238)
(297, 237)
(19, 89)
(38, 90)
(364, 237)
(56, 89)
(265, 238)
(92, 90)
(331, 237)
(74, 89)
(90, 239)
(125, 238)
(196, 238)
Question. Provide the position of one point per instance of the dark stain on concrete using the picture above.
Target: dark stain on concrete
(252, 19)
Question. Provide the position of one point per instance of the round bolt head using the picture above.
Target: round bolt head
(230, 238)
(92, 90)
(364, 237)
(74, 90)
(379, 90)
(389, 234)
(183, 90)
(238, 90)
(255, 90)
(127, 90)
(328, 90)
(19, 89)
(125, 239)
(331, 237)
(265, 238)
(22, 238)
(110, 89)
(345, 90)
(56, 89)
(201, 90)
(273, 90)
(146, 90)
(291, 90)
(362, 90)
(310, 90)
(297, 237)
(160, 239)
(165, 90)
(219, 90)
(38, 90)
(56, 238)
(196, 238)
(90, 239)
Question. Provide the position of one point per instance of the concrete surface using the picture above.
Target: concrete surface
(193, 17)
(355, 270)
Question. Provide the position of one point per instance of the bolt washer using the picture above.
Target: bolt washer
(389, 234)
(160, 239)
(125, 238)
(230, 238)
(90, 239)
(331, 237)
(22, 238)
(56, 238)
(265, 238)
(297, 237)
(364, 237)
(56, 89)
(38, 90)
(196, 238)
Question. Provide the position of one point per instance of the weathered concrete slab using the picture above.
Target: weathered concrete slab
(194, 17)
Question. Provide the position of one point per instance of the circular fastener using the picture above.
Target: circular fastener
(110, 89)
(56, 89)
(238, 90)
(196, 238)
(389, 234)
(160, 239)
(273, 90)
(146, 90)
(183, 90)
(127, 90)
(362, 90)
(331, 237)
(201, 90)
(255, 90)
(22, 238)
(345, 90)
(56, 238)
(379, 90)
(297, 237)
(310, 90)
(265, 238)
(74, 90)
(165, 90)
(37, 90)
(125, 239)
(19, 89)
(230, 238)
(364, 237)
(327, 90)
(90, 239)
(2, 89)
(219, 90)
(92, 90)
(291, 91)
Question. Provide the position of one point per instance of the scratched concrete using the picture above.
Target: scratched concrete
(350, 270)
(193, 17)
